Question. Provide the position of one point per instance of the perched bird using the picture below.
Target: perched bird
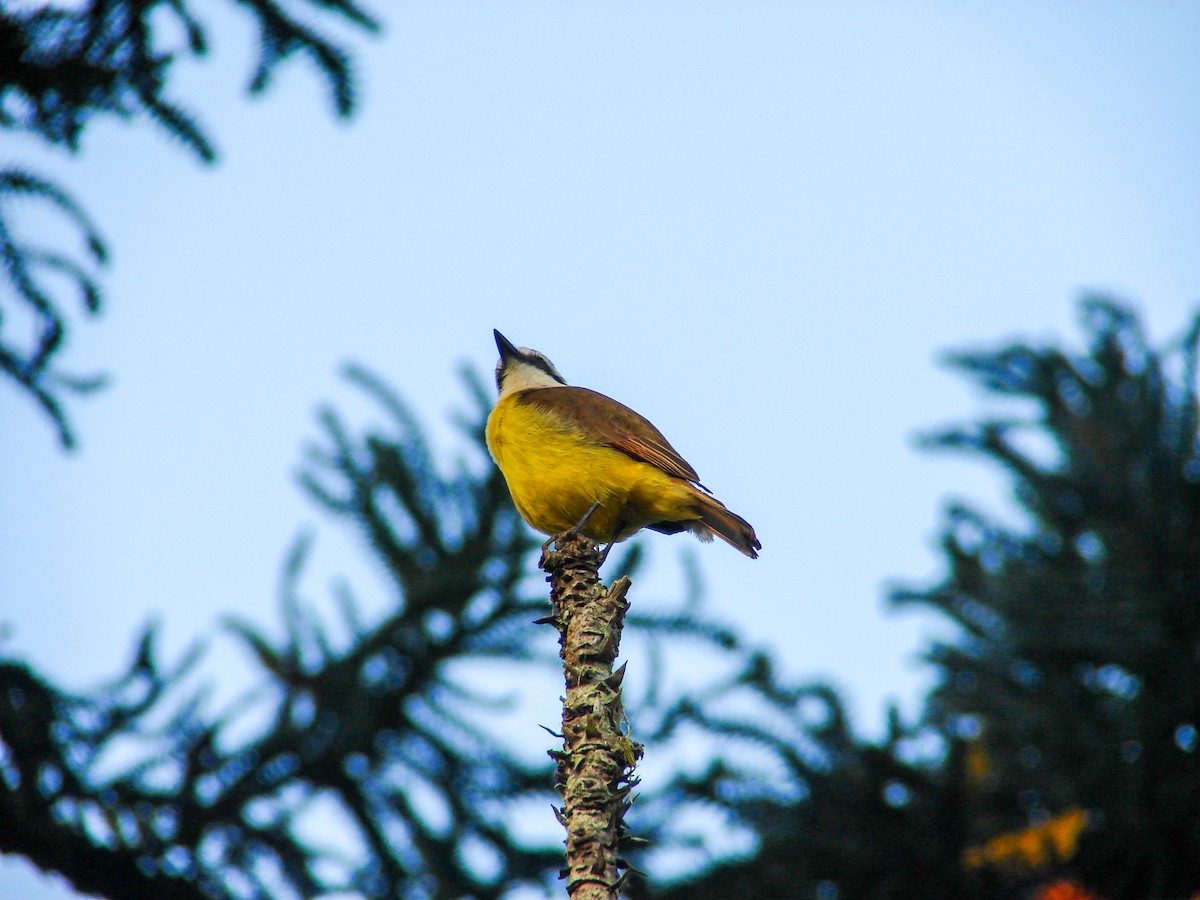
(574, 458)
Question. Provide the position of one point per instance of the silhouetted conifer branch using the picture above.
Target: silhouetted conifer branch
(61, 66)
(65, 65)
(1076, 681)
(26, 290)
(1060, 747)
(368, 756)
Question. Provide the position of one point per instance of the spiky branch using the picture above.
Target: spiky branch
(595, 766)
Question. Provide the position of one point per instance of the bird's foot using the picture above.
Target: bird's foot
(576, 530)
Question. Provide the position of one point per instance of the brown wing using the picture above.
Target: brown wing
(614, 424)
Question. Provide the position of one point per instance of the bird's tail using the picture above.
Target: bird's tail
(715, 519)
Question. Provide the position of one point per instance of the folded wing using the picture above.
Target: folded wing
(614, 424)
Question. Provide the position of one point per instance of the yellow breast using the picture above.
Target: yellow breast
(556, 470)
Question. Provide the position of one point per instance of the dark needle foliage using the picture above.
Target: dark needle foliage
(373, 754)
(1078, 673)
(61, 67)
(1072, 692)
(26, 288)
(1057, 755)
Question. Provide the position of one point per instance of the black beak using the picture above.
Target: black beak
(505, 346)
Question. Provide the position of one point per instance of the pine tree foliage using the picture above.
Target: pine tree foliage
(26, 281)
(1057, 756)
(1067, 709)
(372, 737)
(847, 819)
(369, 757)
(64, 65)
(60, 68)
(1078, 673)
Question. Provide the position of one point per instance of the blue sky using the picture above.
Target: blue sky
(758, 224)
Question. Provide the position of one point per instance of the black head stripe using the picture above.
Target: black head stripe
(539, 361)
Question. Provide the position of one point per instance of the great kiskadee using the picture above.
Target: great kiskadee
(573, 457)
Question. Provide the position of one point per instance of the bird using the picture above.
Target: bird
(577, 460)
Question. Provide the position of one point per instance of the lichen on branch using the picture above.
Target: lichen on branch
(595, 765)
